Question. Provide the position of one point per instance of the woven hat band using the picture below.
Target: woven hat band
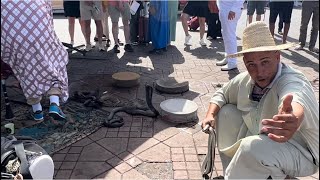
(256, 35)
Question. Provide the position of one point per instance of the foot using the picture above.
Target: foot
(128, 48)
(187, 41)
(120, 43)
(88, 47)
(209, 38)
(72, 43)
(298, 47)
(116, 48)
(280, 32)
(229, 67)
(37, 116)
(101, 47)
(135, 43)
(202, 42)
(103, 38)
(314, 49)
(155, 51)
(108, 43)
(55, 112)
(222, 62)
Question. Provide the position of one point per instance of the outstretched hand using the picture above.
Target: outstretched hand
(283, 125)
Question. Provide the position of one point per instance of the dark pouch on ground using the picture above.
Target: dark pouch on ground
(17, 153)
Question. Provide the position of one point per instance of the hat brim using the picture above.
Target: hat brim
(263, 48)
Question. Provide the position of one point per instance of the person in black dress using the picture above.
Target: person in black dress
(199, 9)
(72, 11)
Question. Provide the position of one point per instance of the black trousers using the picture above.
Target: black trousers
(214, 25)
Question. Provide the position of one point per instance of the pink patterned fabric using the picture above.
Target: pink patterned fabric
(30, 46)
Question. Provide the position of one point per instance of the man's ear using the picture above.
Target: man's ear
(278, 55)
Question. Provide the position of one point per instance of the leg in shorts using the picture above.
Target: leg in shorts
(86, 12)
(115, 13)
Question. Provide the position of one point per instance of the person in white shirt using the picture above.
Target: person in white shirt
(229, 14)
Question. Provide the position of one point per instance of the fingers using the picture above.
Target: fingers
(286, 104)
(279, 139)
(284, 121)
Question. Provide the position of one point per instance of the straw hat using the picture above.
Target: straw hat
(257, 38)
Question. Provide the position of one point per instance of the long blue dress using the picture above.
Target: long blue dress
(159, 24)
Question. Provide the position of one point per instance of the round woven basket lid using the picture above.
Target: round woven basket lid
(179, 106)
(126, 79)
(172, 85)
(179, 110)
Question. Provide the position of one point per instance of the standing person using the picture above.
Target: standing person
(277, 7)
(117, 8)
(173, 16)
(199, 9)
(309, 8)
(92, 9)
(280, 24)
(72, 11)
(159, 25)
(229, 14)
(34, 53)
(134, 25)
(266, 118)
(214, 24)
(257, 6)
(105, 24)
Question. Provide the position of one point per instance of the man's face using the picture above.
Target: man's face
(262, 66)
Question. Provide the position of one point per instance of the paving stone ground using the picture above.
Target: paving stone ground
(146, 148)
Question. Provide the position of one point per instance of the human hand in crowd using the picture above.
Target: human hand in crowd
(89, 3)
(208, 122)
(283, 125)
(231, 15)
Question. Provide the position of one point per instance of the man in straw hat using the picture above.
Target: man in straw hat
(266, 118)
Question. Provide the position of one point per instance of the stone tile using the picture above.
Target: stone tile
(195, 175)
(57, 165)
(125, 155)
(136, 128)
(136, 121)
(94, 152)
(164, 130)
(201, 139)
(202, 150)
(193, 165)
(134, 175)
(123, 134)
(101, 133)
(123, 167)
(114, 145)
(146, 134)
(65, 150)
(111, 174)
(115, 161)
(217, 158)
(58, 157)
(219, 173)
(88, 170)
(191, 157)
(112, 134)
(113, 129)
(180, 174)
(177, 157)
(63, 174)
(179, 165)
(83, 142)
(218, 166)
(72, 157)
(124, 128)
(135, 134)
(75, 150)
(316, 175)
(68, 165)
(176, 150)
(134, 161)
(180, 140)
(157, 153)
(189, 150)
(137, 145)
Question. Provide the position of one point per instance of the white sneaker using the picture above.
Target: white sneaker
(88, 47)
(101, 47)
(187, 41)
(202, 42)
(72, 43)
(222, 62)
(298, 47)
(229, 67)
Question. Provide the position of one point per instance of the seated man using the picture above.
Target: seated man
(267, 118)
